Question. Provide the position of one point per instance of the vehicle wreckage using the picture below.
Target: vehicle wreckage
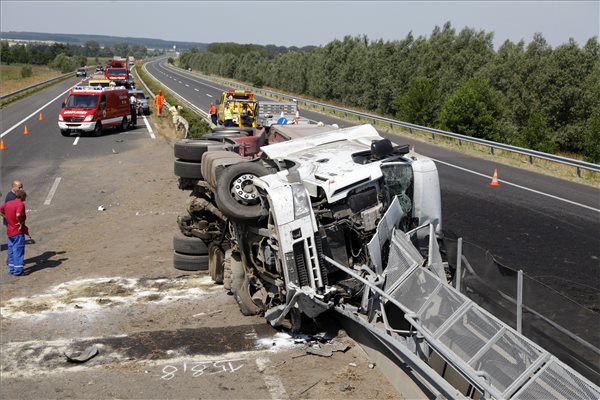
(344, 220)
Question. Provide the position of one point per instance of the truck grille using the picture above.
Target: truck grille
(73, 119)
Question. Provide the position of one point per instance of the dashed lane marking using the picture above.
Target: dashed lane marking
(197, 90)
(273, 383)
(149, 127)
(208, 95)
(76, 140)
(52, 191)
(187, 85)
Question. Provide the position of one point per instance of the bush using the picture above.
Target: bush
(26, 71)
(170, 60)
(65, 63)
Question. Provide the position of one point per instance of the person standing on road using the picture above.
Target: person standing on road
(133, 105)
(14, 212)
(160, 99)
(227, 116)
(11, 195)
(213, 113)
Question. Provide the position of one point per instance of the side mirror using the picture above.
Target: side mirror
(218, 101)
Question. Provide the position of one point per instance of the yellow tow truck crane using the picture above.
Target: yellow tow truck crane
(242, 105)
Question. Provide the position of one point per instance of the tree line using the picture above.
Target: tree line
(66, 57)
(529, 95)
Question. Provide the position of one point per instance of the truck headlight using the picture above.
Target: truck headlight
(60, 117)
(301, 201)
(88, 118)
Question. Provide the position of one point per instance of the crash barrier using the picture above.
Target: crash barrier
(493, 358)
(179, 120)
(531, 154)
(565, 328)
(58, 78)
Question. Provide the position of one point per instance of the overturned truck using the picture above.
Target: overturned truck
(316, 219)
(268, 222)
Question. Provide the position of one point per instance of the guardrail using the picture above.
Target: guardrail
(578, 164)
(57, 78)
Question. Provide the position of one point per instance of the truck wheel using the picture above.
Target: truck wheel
(188, 262)
(188, 169)
(123, 126)
(215, 263)
(98, 129)
(236, 195)
(65, 132)
(192, 150)
(189, 244)
(244, 299)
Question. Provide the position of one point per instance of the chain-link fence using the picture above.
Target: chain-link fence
(568, 330)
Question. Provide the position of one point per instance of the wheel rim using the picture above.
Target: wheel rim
(244, 191)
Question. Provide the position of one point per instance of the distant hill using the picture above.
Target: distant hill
(103, 40)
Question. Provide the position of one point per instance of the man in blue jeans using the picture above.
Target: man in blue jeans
(14, 212)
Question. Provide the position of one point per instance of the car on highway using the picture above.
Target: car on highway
(143, 107)
(81, 72)
(99, 68)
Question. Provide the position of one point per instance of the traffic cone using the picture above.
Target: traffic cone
(26, 131)
(2, 145)
(41, 118)
(495, 181)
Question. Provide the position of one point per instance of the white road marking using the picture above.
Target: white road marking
(76, 140)
(52, 191)
(273, 382)
(208, 95)
(149, 127)
(197, 90)
(187, 85)
(33, 113)
(179, 81)
(520, 187)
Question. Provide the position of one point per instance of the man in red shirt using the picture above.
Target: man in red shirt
(14, 212)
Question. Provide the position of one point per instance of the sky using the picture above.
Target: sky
(301, 23)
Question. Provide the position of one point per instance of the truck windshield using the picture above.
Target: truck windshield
(117, 71)
(82, 101)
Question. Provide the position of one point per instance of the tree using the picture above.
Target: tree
(91, 48)
(536, 134)
(591, 137)
(420, 103)
(474, 109)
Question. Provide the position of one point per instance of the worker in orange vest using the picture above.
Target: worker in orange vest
(213, 113)
(160, 99)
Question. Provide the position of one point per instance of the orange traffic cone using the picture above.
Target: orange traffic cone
(26, 131)
(495, 181)
(2, 145)
(41, 118)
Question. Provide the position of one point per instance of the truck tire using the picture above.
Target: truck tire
(189, 244)
(123, 126)
(215, 263)
(188, 169)
(65, 132)
(192, 150)
(98, 129)
(236, 196)
(188, 262)
(244, 299)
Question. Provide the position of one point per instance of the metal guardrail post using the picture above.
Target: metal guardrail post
(458, 279)
(520, 301)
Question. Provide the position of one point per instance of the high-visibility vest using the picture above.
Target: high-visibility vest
(213, 110)
(228, 114)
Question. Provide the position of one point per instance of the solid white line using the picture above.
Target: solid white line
(519, 186)
(197, 90)
(76, 140)
(52, 191)
(149, 127)
(208, 95)
(33, 113)
(273, 382)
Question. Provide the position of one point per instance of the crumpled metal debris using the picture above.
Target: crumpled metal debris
(326, 350)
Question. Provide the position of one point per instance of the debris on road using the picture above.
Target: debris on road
(101, 208)
(82, 356)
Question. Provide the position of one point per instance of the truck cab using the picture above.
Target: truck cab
(242, 105)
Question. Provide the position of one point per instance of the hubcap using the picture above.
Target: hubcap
(244, 191)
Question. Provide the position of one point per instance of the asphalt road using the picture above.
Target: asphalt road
(546, 226)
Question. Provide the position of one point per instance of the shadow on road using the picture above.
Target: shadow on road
(43, 261)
